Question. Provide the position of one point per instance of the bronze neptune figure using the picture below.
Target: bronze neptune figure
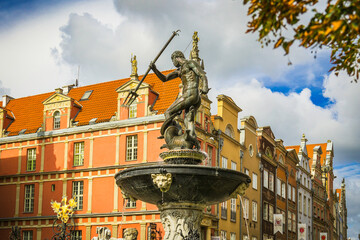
(192, 77)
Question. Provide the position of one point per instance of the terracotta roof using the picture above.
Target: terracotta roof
(293, 147)
(310, 151)
(338, 191)
(102, 103)
(27, 112)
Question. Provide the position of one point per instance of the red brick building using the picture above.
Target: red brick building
(72, 142)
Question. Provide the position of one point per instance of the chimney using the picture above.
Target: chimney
(66, 89)
(6, 99)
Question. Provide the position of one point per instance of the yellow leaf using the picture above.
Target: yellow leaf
(277, 44)
(336, 24)
(328, 30)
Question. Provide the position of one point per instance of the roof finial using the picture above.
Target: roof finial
(303, 139)
(134, 74)
(194, 53)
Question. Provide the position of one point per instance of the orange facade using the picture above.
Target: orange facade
(73, 154)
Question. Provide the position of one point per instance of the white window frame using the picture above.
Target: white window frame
(254, 181)
(254, 211)
(293, 194)
(57, 120)
(266, 178)
(79, 153)
(271, 213)
(223, 235)
(223, 210)
(304, 207)
(27, 235)
(133, 110)
(76, 235)
(131, 147)
(266, 211)
(224, 162)
(29, 198)
(283, 190)
(31, 159)
(233, 165)
(246, 208)
(130, 203)
(289, 192)
(78, 194)
(289, 221)
(293, 222)
(278, 186)
(210, 150)
(233, 208)
(271, 181)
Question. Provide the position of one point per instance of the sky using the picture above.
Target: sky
(46, 44)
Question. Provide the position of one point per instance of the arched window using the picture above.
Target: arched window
(56, 118)
(229, 131)
(281, 159)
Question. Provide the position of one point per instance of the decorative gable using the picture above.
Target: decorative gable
(56, 102)
(142, 104)
(58, 110)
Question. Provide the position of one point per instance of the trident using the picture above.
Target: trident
(130, 98)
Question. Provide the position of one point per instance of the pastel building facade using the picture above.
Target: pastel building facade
(72, 142)
(304, 186)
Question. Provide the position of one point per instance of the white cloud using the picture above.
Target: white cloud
(28, 48)
(351, 173)
(292, 115)
(43, 52)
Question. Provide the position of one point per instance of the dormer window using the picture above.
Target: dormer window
(86, 95)
(22, 131)
(56, 120)
(132, 110)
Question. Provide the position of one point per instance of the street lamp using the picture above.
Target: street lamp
(61, 224)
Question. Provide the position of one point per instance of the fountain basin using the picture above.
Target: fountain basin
(190, 183)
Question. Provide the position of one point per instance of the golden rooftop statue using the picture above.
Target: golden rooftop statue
(134, 74)
(64, 211)
(194, 53)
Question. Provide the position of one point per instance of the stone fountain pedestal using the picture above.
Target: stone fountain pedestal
(181, 188)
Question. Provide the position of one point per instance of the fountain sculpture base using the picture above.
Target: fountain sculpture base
(181, 221)
(182, 188)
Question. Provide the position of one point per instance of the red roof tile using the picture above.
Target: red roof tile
(102, 103)
(310, 151)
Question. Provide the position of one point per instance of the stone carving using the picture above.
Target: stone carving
(192, 77)
(240, 190)
(176, 139)
(162, 181)
(181, 224)
(130, 234)
(103, 233)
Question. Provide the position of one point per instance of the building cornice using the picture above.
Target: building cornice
(124, 166)
(86, 128)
